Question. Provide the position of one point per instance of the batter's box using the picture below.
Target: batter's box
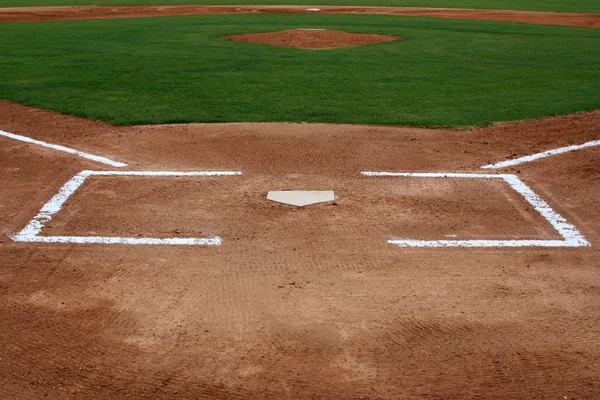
(571, 236)
(32, 232)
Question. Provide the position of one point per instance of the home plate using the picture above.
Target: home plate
(301, 198)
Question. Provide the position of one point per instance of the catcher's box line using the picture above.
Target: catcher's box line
(537, 156)
(31, 233)
(572, 237)
(64, 149)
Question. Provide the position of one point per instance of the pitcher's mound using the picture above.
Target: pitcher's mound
(313, 38)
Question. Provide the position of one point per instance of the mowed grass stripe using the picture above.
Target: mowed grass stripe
(582, 6)
(178, 69)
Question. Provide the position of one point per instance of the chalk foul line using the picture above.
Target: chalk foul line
(570, 234)
(537, 156)
(64, 149)
(32, 232)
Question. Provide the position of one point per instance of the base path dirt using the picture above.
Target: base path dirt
(313, 38)
(308, 303)
(27, 14)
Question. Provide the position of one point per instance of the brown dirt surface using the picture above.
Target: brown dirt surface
(308, 303)
(313, 38)
(32, 14)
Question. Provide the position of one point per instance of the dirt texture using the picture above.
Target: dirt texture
(32, 14)
(307, 303)
(313, 38)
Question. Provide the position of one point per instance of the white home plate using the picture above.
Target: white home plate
(301, 198)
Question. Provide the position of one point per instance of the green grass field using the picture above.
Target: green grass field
(178, 69)
(588, 6)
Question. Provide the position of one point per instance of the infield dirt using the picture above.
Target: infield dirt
(32, 14)
(297, 303)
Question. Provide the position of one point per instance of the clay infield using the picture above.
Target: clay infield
(298, 302)
(32, 14)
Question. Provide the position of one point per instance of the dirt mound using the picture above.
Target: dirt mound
(313, 38)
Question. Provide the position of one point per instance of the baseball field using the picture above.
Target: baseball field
(142, 143)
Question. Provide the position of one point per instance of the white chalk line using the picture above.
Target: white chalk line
(166, 173)
(572, 237)
(208, 241)
(31, 232)
(544, 154)
(482, 243)
(432, 174)
(35, 226)
(64, 149)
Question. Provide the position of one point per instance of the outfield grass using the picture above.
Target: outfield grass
(587, 6)
(178, 69)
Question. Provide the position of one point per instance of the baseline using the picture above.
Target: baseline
(64, 149)
(571, 235)
(31, 232)
(537, 156)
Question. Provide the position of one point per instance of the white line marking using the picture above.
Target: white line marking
(433, 174)
(54, 205)
(31, 232)
(166, 173)
(564, 228)
(58, 147)
(208, 241)
(544, 154)
(482, 243)
(572, 236)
